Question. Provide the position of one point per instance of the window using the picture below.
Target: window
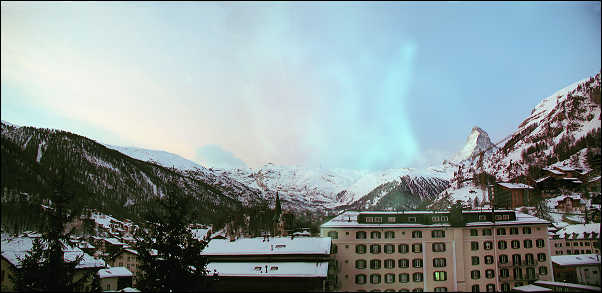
(506, 217)
(440, 276)
(505, 287)
(438, 234)
(490, 287)
(375, 264)
(474, 232)
(475, 275)
(333, 234)
(403, 263)
(475, 260)
(474, 245)
(412, 219)
(526, 230)
(417, 277)
(360, 249)
(440, 289)
(438, 247)
(516, 259)
(504, 273)
(404, 278)
(417, 247)
(489, 274)
(390, 278)
(539, 243)
(531, 274)
(488, 245)
(529, 259)
(503, 258)
(369, 219)
(375, 235)
(391, 219)
(543, 270)
(389, 263)
(482, 218)
(389, 248)
(486, 232)
(528, 243)
(108, 287)
(498, 217)
(360, 264)
(435, 219)
(360, 235)
(502, 244)
(403, 248)
(475, 288)
(375, 279)
(389, 235)
(417, 263)
(375, 248)
(518, 273)
(439, 262)
(514, 231)
(444, 219)
(333, 248)
(515, 244)
(404, 290)
(500, 231)
(488, 259)
(417, 290)
(360, 279)
(416, 234)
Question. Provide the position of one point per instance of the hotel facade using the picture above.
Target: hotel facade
(415, 251)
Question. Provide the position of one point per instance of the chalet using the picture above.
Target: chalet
(115, 278)
(569, 203)
(512, 195)
(269, 264)
(579, 269)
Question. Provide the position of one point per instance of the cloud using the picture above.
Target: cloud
(213, 156)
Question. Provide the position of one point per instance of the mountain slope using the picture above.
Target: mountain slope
(163, 158)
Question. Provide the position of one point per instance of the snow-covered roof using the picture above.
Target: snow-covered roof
(200, 234)
(269, 269)
(129, 289)
(401, 212)
(579, 229)
(542, 179)
(272, 245)
(114, 272)
(521, 219)
(568, 285)
(531, 288)
(597, 178)
(553, 171)
(349, 219)
(114, 241)
(515, 185)
(570, 178)
(14, 249)
(576, 260)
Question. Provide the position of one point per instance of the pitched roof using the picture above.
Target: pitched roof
(531, 288)
(515, 185)
(114, 272)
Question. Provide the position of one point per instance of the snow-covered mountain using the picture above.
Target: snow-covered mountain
(477, 142)
(562, 130)
(163, 158)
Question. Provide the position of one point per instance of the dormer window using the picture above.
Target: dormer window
(280, 245)
(258, 269)
(482, 218)
(369, 219)
(391, 219)
(378, 219)
(274, 268)
(444, 219)
(436, 219)
(412, 219)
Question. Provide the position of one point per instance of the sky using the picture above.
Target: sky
(320, 84)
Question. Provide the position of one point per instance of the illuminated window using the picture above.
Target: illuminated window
(440, 276)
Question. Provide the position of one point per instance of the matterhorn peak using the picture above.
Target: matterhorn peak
(477, 141)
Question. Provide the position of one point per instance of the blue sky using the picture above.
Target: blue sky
(332, 84)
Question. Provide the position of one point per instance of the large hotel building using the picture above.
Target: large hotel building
(421, 251)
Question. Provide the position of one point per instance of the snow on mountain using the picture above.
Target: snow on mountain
(567, 115)
(478, 141)
(163, 158)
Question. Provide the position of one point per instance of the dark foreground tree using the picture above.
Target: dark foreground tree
(169, 254)
(44, 267)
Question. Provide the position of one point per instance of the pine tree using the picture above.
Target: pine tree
(44, 267)
(170, 256)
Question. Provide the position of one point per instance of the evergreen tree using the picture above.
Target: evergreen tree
(170, 256)
(44, 267)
